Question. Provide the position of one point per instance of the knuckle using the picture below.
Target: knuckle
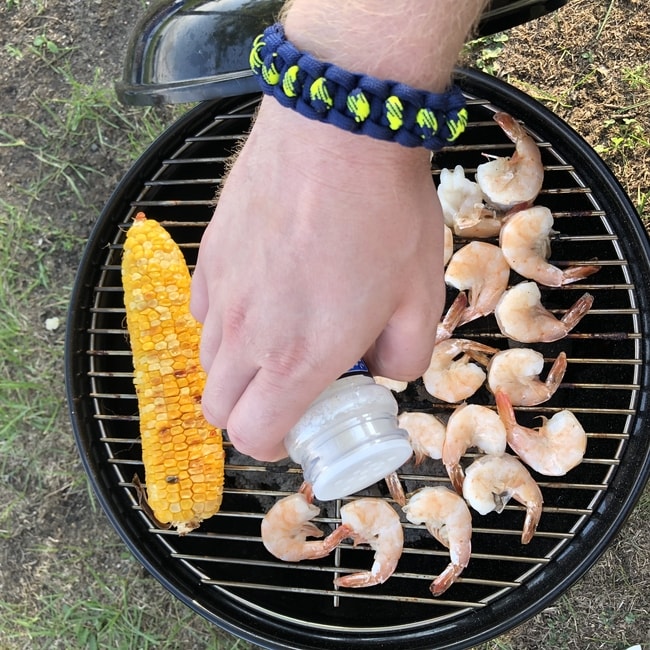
(235, 321)
(288, 364)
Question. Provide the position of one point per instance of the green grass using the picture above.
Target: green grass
(109, 615)
(26, 406)
(51, 602)
(626, 132)
(486, 52)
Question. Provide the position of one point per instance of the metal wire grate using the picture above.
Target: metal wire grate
(604, 386)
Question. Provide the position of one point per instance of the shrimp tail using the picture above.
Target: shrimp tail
(505, 411)
(395, 487)
(452, 318)
(577, 311)
(479, 352)
(357, 580)
(337, 536)
(446, 579)
(317, 549)
(456, 476)
(378, 574)
(533, 515)
(575, 273)
(509, 125)
(556, 373)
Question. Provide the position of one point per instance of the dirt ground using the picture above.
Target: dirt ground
(574, 61)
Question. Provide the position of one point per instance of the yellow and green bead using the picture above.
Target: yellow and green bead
(394, 112)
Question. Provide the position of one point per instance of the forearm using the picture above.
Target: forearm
(415, 42)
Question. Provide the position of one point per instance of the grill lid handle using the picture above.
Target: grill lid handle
(195, 50)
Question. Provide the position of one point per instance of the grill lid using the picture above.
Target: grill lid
(193, 50)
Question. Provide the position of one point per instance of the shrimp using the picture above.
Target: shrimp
(287, 525)
(372, 521)
(492, 480)
(481, 269)
(516, 371)
(525, 242)
(447, 517)
(517, 180)
(451, 376)
(553, 449)
(463, 207)
(426, 434)
(471, 425)
(522, 317)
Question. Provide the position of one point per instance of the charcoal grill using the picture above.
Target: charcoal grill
(222, 570)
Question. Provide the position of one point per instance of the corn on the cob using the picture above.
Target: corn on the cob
(182, 453)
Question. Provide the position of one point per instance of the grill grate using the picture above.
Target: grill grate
(223, 571)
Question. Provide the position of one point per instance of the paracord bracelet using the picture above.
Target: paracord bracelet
(386, 110)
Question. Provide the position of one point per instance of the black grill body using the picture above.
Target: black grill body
(222, 570)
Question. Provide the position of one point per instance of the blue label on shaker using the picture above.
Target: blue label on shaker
(359, 368)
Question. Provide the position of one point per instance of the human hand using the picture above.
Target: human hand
(324, 247)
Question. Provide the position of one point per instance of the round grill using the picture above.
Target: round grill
(222, 570)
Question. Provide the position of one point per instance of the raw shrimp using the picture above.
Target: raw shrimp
(492, 480)
(526, 245)
(522, 317)
(451, 376)
(517, 180)
(481, 269)
(372, 521)
(447, 517)
(426, 434)
(516, 371)
(287, 525)
(553, 449)
(463, 207)
(471, 425)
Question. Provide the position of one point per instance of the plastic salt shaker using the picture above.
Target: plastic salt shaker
(349, 437)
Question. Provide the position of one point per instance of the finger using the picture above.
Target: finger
(211, 336)
(227, 380)
(403, 349)
(199, 296)
(268, 409)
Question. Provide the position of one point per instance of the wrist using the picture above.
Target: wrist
(348, 160)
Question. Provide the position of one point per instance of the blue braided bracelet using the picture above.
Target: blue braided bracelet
(386, 110)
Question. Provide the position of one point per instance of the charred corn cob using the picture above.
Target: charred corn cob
(182, 453)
